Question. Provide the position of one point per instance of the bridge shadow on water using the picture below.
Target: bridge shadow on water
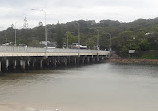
(37, 69)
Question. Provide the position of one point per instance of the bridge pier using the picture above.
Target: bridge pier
(22, 64)
(83, 60)
(51, 62)
(0, 66)
(97, 58)
(88, 59)
(33, 64)
(41, 64)
(28, 64)
(75, 60)
(55, 64)
(78, 60)
(69, 61)
(14, 64)
(48, 62)
(93, 59)
(7, 64)
(65, 61)
(18, 66)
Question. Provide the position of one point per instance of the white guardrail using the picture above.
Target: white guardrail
(24, 49)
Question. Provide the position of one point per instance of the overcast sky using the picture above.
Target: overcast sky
(14, 11)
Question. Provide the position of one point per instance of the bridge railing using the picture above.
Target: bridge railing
(20, 49)
(24, 49)
(58, 50)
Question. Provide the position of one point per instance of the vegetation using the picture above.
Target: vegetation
(140, 35)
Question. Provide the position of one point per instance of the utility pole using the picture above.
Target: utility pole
(25, 26)
(46, 33)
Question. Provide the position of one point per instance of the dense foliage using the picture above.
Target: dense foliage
(139, 35)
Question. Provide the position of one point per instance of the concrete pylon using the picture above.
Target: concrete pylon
(48, 62)
(33, 64)
(41, 64)
(14, 64)
(69, 60)
(22, 64)
(97, 58)
(83, 60)
(0, 66)
(93, 59)
(28, 63)
(75, 60)
(7, 64)
(55, 64)
(65, 61)
(88, 60)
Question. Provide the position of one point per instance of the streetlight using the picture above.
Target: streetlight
(78, 37)
(46, 34)
(15, 34)
(110, 41)
(67, 40)
(98, 40)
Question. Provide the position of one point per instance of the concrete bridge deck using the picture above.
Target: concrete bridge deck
(9, 51)
(13, 58)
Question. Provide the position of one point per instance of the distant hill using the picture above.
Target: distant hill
(124, 36)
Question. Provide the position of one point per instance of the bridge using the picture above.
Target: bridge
(13, 58)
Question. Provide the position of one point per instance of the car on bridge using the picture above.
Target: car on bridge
(7, 44)
(76, 46)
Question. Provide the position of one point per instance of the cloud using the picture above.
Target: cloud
(68, 10)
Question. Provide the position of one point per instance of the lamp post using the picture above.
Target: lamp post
(78, 38)
(98, 40)
(46, 34)
(15, 34)
(67, 40)
(109, 42)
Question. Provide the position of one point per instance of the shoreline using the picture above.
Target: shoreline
(133, 61)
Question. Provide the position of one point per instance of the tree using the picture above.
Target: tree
(70, 38)
(34, 43)
(144, 45)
